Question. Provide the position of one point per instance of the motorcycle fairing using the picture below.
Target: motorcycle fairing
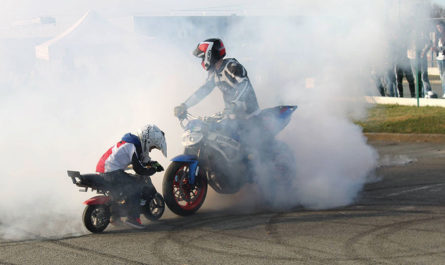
(192, 160)
(194, 125)
(276, 118)
(97, 200)
(226, 146)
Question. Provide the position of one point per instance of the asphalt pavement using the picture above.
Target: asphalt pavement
(398, 218)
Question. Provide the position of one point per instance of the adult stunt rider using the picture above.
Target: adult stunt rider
(133, 149)
(226, 74)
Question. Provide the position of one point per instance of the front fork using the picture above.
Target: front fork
(193, 171)
(192, 160)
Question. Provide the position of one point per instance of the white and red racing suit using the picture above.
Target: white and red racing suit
(113, 163)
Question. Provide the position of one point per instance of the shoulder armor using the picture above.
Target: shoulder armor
(235, 68)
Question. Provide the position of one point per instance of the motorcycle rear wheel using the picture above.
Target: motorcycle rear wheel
(96, 217)
(280, 176)
(181, 197)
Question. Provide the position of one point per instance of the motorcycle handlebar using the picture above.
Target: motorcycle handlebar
(187, 116)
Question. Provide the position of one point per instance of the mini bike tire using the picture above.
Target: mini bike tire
(146, 210)
(87, 220)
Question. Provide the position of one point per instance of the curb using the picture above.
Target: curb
(433, 102)
(406, 137)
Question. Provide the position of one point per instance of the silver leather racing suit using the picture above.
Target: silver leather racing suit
(231, 78)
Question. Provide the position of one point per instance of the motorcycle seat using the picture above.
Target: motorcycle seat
(93, 180)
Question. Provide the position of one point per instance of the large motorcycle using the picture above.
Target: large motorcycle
(112, 203)
(216, 154)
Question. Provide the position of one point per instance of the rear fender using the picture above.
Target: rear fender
(277, 118)
(96, 200)
(192, 160)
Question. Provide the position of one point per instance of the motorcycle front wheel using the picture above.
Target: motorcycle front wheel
(182, 197)
(96, 217)
(154, 208)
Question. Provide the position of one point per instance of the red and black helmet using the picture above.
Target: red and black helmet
(211, 51)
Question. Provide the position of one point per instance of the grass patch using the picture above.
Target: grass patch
(404, 119)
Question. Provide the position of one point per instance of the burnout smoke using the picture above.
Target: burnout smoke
(322, 61)
(64, 113)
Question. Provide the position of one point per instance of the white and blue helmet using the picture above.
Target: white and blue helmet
(152, 137)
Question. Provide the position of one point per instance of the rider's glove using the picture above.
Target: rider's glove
(156, 166)
(180, 110)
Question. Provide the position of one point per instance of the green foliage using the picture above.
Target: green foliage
(404, 119)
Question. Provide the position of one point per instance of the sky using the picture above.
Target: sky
(17, 9)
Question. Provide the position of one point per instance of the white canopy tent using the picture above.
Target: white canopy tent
(89, 36)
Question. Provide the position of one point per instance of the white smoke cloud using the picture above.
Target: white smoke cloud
(56, 116)
(60, 116)
(336, 44)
